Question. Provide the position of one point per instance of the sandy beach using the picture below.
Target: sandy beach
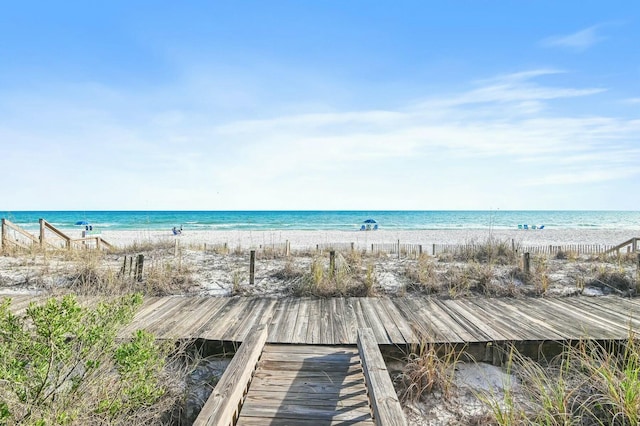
(306, 239)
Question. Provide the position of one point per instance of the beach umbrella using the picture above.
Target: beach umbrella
(82, 222)
(370, 221)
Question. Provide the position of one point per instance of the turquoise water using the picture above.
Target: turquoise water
(328, 220)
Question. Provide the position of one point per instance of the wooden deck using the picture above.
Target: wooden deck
(394, 321)
(307, 384)
(322, 364)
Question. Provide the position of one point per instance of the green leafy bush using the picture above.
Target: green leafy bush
(60, 363)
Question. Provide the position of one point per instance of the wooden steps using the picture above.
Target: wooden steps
(307, 384)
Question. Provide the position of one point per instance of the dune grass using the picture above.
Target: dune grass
(590, 383)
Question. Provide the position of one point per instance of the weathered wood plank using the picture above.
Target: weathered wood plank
(262, 315)
(262, 421)
(277, 319)
(326, 323)
(222, 406)
(387, 410)
(313, 331)
(336, 307)
(302, 322)
(401, 323)
(392, 331)
(373, 321)
(306, 412)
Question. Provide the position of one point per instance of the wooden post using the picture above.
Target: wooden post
(4, 233)
(139, 267)
(332, 263)
(287, 248)
(398, 249)
(526, 260)
(353, 246)
(124, 266)
(98, 240)
(130, 264)
(252, 267)
(371, 247)
(41, 232)
(433, 251)
(420, 250)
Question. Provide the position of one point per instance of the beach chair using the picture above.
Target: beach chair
(375, 227)
(525, 226)
(519, 226)
(533, 226)
(541, 227)
(362, 228)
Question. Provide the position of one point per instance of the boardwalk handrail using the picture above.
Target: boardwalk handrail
(387, 410)
(223, 405)
(8, 224)
(633, 242)
(98, 240)
(44, 225)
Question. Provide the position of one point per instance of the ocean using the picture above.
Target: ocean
(327, 220)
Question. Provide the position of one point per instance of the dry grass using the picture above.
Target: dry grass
(428, 367)
(588, 384)
(348, 279)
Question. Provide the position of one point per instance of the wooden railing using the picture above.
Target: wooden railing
(631, 246)
(385, 405)
(26, 240)
(7, 227)
(223, 406)
(46, 226)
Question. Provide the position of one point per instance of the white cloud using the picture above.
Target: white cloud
(580, 176)
(578, 41)
(470, 149)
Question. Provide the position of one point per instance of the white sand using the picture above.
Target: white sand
(308, 239)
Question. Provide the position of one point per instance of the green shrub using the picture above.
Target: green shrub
(60, 363)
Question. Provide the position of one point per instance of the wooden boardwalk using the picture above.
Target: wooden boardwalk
(321, 364)
(307, 384)
(394, 321)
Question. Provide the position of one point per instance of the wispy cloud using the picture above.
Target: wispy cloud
(487, 142)
(578, 41)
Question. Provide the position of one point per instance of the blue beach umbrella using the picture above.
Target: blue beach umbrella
(82, 223)
(370, 221)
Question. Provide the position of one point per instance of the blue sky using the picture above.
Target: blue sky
(320, 105)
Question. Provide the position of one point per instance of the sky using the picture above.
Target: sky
(320, 105)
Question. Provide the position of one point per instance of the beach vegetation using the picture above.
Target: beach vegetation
(345, 280)
(614, 280)
(236, 282)
(589, 383)
(427, 368)
(489, 251)
(422, 275)
(62, 363)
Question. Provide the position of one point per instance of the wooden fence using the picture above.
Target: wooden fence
(49, 237)
(407, 250)
(594, 249)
